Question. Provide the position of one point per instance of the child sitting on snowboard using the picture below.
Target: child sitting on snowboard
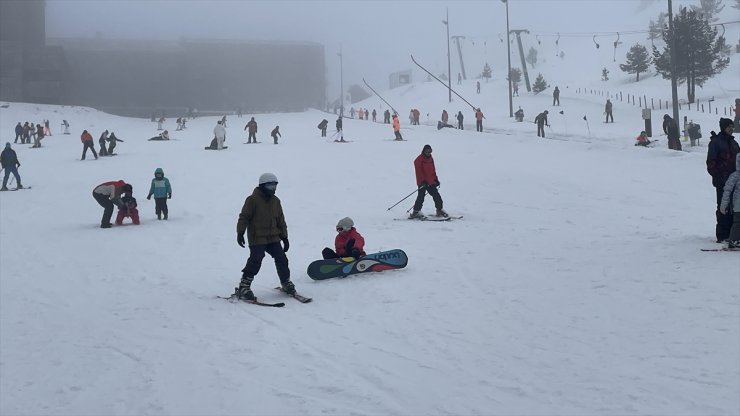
(642, 139)
(348, 243)
(128, 210)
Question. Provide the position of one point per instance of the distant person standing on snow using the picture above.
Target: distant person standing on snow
(608, 110)
(275, 133)
(387, 117)
(541, 121)
(460, 118)
(113, 139)
(18, 132)
(397, 128)
(252, 127)
(103, 149)
(66, 126)
(445, 116)
(670, 128)
(375, 113)
(9, 162)
(219, 132)
(556, 96)
(479, 120)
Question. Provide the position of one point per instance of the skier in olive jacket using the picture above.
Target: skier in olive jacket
(263, 221)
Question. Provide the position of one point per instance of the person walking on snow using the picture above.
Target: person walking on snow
(102, 140)
(348, 243)
(730, 204)
(112, 139)
(262, 219)
(219, 132)
(556, 96)
(460, 118)
(541, 121)
(9, 162)
(109, 194)
(426, 181)
(722, 151)
(162, 191)
(608, 110)
(397, 128)
(322, 126)
(670, 128)
(18, 133)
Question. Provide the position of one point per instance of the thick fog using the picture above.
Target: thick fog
(376, 36)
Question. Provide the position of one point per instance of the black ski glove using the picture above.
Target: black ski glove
(356, 253)
(286, 245)
(350, 244)
(240, 239)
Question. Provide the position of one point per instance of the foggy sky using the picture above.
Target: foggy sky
(376, 36)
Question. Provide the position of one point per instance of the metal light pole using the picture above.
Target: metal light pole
(449, 69)
(341, 83)
(508, 58)
(674, 84)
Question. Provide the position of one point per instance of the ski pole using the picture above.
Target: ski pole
(404, 198)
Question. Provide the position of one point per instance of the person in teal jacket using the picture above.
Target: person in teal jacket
(162, 191)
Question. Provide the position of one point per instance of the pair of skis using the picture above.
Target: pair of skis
(296, 296)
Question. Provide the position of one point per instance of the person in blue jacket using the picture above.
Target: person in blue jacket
(162, 191)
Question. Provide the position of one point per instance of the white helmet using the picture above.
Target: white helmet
(267, 178)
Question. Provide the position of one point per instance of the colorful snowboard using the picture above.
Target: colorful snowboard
(345, 266)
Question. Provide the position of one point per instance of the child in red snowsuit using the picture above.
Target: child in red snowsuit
(348, 243)
(129, 210)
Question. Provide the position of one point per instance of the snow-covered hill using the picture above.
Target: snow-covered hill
(574, 284)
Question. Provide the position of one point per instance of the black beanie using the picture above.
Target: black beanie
(426, 146)
(724, 122)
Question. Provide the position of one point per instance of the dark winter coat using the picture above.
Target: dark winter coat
(18, 129)
(670, 128)
(556, 93)
(339, 123)
(721, 153)
(608, 106)
(541, 119)
(275, 132)
(252, 126)
(323, 124)
(340, 242)
(8, 158)
(460, 116)
(262, 218)
(425, 171)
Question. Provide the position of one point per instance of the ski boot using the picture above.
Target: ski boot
(244, 293)
(442, 213)
(416, 215)
(4, 188)
(288, 287)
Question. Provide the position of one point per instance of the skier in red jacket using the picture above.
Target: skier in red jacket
(427, 181)
(348, 243)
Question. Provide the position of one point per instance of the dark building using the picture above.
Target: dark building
(30, 70)
(136, 77)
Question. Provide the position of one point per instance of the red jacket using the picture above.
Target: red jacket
(340, 243)
(86, 137)
(425, 171)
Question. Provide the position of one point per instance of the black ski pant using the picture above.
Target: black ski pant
(106, 203)
(459, 124)
(540, 130)
(724, 221)
(323, 132)
(252, 136)
(555, 100)
(17, 136)
(479, 125)
(160, 206)
(609, 115)
(88, 145)
(257, 253)
(735, 230)
(423, 192)
(398, 135)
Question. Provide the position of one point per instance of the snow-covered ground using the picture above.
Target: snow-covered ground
(573, 285)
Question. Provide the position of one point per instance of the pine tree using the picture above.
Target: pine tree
(638, 61)
(486, 71)
(539, 84)
(532, 56)
(709, 9)
(515, 75)
(656, 28)
(699, 51)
